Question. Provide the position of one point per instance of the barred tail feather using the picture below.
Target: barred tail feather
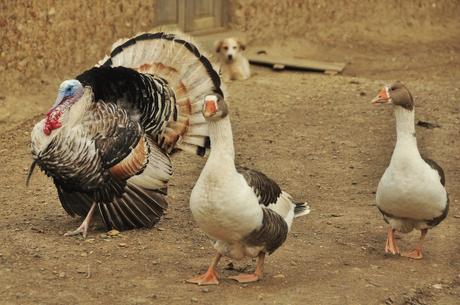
(188, 72)
(136, 208)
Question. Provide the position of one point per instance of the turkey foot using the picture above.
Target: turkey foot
(83, 228)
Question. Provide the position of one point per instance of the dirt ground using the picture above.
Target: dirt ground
(317, 135)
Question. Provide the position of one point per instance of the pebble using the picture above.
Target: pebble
(205, 290)
(194, 300)
(113, 233)
(279, 276)
(437, 286)
(62, 274)
(123, 245)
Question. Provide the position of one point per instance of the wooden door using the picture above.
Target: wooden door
(194, 16)
(170, 13)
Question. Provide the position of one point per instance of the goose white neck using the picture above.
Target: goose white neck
(405, 131)
(220, 133)
(404, 121)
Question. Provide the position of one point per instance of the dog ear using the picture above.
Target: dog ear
(218, 45)
(241, 45)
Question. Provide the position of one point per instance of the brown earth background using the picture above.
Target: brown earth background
(316, 135)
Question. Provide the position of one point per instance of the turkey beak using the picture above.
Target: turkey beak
(382, 98)
(210, 106)
(60, 98)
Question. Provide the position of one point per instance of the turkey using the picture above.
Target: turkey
(411, 193)
(107, 139)
(242, 210)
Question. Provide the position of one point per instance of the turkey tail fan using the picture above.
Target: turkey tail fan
(188, 72)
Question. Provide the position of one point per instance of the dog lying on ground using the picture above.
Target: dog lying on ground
(233, 64)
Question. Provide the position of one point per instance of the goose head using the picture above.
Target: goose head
(214, 108)
(396, 94)
(69, 93)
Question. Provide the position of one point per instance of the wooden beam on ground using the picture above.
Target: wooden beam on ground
(279, 62)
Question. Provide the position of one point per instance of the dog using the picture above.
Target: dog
(233, 64)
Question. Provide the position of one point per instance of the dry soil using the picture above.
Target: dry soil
(317, 135)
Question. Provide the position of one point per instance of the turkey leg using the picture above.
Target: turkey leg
(83, 228)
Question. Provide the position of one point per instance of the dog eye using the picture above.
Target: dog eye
(225, 48)
(234, 48)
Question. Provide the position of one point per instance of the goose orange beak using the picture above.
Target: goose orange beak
(382, 98)
(210, 106)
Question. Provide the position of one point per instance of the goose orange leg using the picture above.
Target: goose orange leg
(83, 228)
(210, 277)
(417, 252)
(390, 246)
(254, 277)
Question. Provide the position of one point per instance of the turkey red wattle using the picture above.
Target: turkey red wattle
(52, 121)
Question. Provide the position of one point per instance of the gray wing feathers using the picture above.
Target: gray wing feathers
(265, 188)
(272, 234)
(437, 168)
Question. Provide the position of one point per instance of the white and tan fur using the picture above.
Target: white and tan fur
(233, 64)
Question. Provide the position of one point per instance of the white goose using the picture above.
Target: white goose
(411, 192)
(244, 212)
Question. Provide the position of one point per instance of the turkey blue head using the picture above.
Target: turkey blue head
(69, 92)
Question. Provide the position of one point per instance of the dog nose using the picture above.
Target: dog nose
(230, 56)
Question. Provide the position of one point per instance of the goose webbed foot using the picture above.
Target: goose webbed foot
(390, 245)
(210, 277)
(417, 252)
(254, 277)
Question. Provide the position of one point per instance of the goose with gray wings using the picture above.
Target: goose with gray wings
(244, 212)
(411, 193)
(107, 139)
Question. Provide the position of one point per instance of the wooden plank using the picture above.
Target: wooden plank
(293, 63)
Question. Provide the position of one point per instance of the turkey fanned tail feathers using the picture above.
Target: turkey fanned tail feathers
(180, 77)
